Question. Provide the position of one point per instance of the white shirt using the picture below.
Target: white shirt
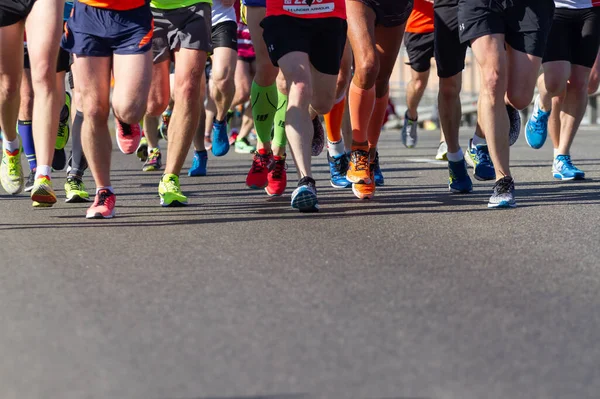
(576, 4)
(220, 13)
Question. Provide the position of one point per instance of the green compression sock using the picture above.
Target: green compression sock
(264, 105)
(279, 137)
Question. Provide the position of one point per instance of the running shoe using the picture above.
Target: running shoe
(59, 160)
(42, 193)
(30, 181)
(478, 157)
(563, 169)
(104, 205)
(258, 176)
(207, 143)
(170, 191)
(128, 136)
(514, 120)
(242, 146)
(459, 180)
(64, 131)
(366, 190)
(220, 141)
(277, 177)
(75, 190)
(164, 123)
(379, 180)
(233, 136)
(154, 161)
(338, 166)
(318, 141)
(504, 194)
(409, 131)
(142, 150)
(11, 172)
(442, 152)
(536, 130)
(199, 163)
(304, 198)
(358, 168)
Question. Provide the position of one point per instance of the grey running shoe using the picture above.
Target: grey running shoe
(514, 119)
(409, 132)
(504, 194)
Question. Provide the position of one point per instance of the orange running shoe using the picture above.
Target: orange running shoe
(128, 136)
(358, 169)
(365, 190)
(104, 206)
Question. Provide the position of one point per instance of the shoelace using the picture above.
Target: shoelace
(503, 186)
(259, 163)
(12, 165)
(361, 161)
(73, 184)
(153, 157)
(103, 196)
(278, 169)
(483, 157)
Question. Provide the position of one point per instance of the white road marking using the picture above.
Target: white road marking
(427, 160)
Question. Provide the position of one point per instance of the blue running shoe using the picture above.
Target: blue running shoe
(504, 194)
(304, 198)
(459, 181)
(536, 129)
(220, 140)
(379, 180)
(478, 157)
(563, 169)
(338, 166)
(199, 164)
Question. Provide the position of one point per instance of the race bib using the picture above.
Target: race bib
(300, 6)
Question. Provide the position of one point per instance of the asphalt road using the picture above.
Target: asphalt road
(416, 294)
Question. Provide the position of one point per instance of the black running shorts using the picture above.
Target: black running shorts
(525, 23)
(13, 11)
(224, 34)
(323, 39)
(390, 13)
(419, 47)
(574, 37)
(449, 51)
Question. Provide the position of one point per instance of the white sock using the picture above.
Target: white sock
(43, 170)
(12, 145)
(455, 156)
(478, 141)
(337, 148)
(556, 153)
(109, 188)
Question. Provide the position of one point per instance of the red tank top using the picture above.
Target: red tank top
(118, 5)
(300, 8)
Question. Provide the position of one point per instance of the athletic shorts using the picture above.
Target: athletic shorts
(186, 27)
(323, 39)
(224, 34)
(419, 47)
(13, 11)
(449, 52)
(63, 64)
(390, 13)
(255, 3)
(525, 23)
(574, 37)
(98, 32)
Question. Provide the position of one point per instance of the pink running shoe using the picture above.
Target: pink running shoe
(104, 206)
(128, 136)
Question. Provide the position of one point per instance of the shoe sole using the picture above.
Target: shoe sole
(340, 186)
(196, 174)
(48, 200)
(305, 202)
(255, 187)
(455, 191)
(125, 152)
(558, 176)
(77, 199)
(101, 216)
(36, 204)
(503, 205)
(150, 169)
(360, 195)
(273, 194)
(173, 204)
(442, 158)
(28, 189)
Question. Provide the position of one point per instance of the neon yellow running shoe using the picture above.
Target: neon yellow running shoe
(75, 190)
(170, 192)
(42, 194)
(11, 172)
(64, 130)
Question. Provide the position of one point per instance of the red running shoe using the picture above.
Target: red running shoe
(261, 164)
(128, 136)
(277, 177)
(104, 206)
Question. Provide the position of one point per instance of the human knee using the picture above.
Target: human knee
(367, 70)
(130, 113)
(322, 102)
(9, 86)
(156, 106)
(187, 90)
(578, 83)
(449, 89)
(554, 84)
(493, 81)
(43, 77)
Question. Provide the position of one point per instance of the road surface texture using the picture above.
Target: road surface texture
(416, 294)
